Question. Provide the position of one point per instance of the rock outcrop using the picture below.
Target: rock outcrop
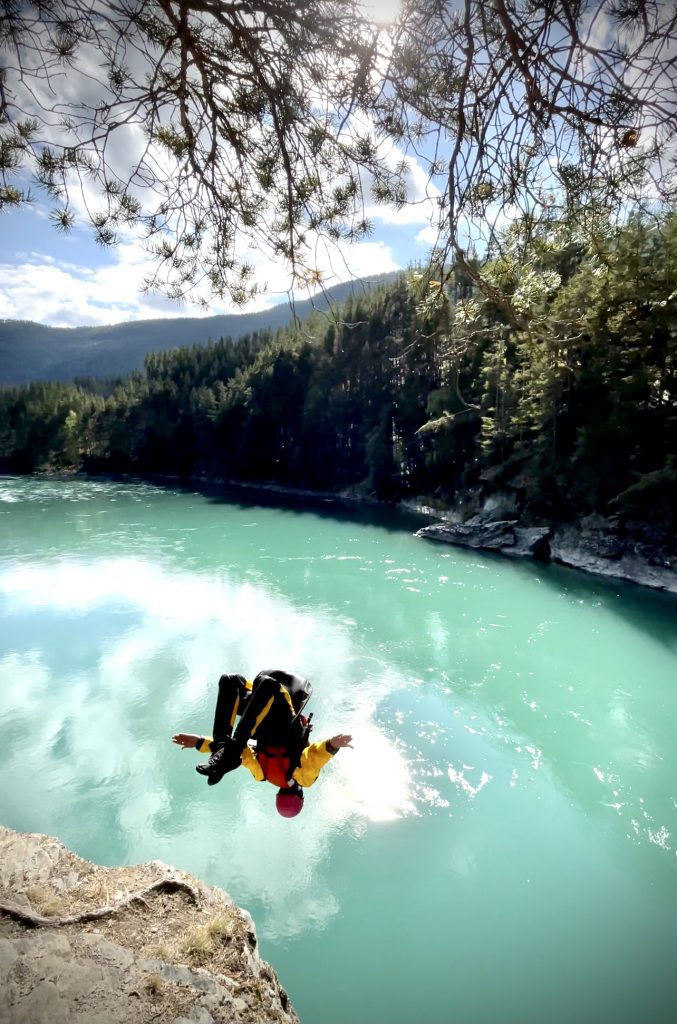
(504, 536)
(594, 544)
(128, 945)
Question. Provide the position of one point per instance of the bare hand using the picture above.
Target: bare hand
(186, 740)
(341, 741)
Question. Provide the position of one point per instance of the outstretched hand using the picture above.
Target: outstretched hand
(186, 740)
(341, 741)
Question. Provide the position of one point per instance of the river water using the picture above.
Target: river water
(500, 845)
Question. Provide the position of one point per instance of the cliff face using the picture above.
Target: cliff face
(85, 943)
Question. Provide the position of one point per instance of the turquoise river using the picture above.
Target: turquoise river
(500, 846)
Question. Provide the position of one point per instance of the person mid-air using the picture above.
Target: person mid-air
(270, 711)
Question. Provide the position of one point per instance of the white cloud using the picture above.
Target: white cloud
(381, 11)
(38, 288)
(422, 205)
(422, 195)
(67, 294)
(428, 236)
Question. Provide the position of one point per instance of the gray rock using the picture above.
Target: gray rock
(8, 957)
(489, 536)
(530, 542)
(45, 943)
(198, 1015)
(199, 980)
(95, 945)
(596, 544)
(499, 506)
(599, 555)
(42, 1004)
(73, 975)
(28, 859)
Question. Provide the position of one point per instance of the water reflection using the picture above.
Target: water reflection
(104, 735)
(506, 735)
(460, 779)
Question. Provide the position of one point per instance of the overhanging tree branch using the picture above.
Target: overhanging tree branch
(197, 122)
(556, 118)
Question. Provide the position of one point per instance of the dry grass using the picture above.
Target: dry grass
(96, 890)
(163, 952)
(155, 984)
(43, 901)
(196, 943)
(199, 942)
(220, 927)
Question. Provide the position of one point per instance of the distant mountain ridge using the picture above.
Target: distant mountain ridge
(30, 351)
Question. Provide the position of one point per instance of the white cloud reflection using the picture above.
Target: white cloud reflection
(104, 728)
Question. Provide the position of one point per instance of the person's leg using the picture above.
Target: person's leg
(232, 697)
(268, 708)
(229, 703)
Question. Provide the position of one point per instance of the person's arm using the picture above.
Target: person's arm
(190, 741)
(204, 744)
(316, 756)
(336, 743)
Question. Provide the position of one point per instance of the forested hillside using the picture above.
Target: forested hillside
(415, 390)
(30, 351)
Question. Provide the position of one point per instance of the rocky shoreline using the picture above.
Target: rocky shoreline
(593, 545)
(85, 944)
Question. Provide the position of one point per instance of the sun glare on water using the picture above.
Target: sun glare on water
(374, 780)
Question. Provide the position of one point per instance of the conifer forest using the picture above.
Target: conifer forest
(417, 389)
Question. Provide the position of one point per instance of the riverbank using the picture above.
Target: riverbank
(592, 544)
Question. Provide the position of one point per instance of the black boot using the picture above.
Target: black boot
(225, 758)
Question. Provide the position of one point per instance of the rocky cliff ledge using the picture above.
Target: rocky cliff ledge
(593, 544)
(84, 944)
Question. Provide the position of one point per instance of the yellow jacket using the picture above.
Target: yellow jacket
(313, 759)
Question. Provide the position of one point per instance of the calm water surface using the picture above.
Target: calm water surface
(500, 846)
